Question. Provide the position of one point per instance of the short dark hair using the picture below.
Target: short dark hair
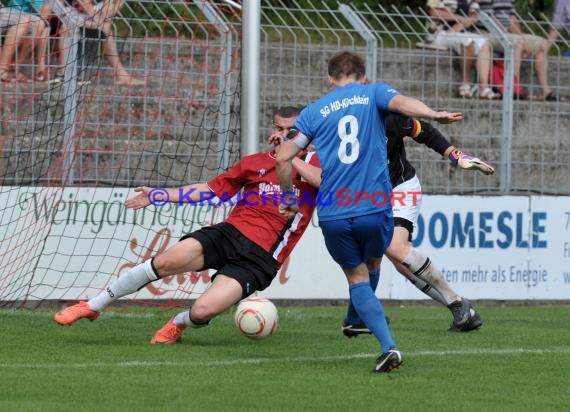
(287, 111)
(347, 64)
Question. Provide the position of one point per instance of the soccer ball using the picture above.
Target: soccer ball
(256, 318)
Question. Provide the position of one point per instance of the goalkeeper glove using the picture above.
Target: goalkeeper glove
(468, 162)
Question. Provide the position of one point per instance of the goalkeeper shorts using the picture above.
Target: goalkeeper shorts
(234, 255)
(407, 200)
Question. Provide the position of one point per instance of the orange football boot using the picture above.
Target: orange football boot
(72, 314)
(168, 334)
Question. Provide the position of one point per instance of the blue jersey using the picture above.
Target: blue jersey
(27, 6)
(347, 126)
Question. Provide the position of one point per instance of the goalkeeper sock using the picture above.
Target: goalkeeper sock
(352, 317)
(183, 319)
(133, 280)
(426, 288)
(429, 278)
(370, 310)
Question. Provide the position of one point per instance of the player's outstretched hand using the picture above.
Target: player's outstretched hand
(448, 117)
(141, 200)
(467, 162)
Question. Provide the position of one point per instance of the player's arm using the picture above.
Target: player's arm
(193, 193)
(310, 173)
(399, 126)
(416, 108)
(295, 143)
(435, 140)
(424, 133)
(284, 164)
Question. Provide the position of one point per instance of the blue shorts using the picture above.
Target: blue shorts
(353, 241)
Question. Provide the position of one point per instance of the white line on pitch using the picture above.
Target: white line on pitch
(258, 361)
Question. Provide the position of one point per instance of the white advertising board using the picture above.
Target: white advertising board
(502, 247)
(507, 248)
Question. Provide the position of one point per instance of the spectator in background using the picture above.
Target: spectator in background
(560, 21)
(450, 29)
(18, 26)
(57, 35)
(36, 44)
(526, 45)
(97, 15)
(13, 27)
(45, 12)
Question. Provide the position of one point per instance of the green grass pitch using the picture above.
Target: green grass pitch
(518, 361)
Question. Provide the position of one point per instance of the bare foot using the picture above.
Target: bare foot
(128, 80)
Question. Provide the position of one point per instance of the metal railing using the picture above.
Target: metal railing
(184, 125)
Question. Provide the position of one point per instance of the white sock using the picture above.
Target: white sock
(427, 289)
(429, 275)
(133, 280)
(183, 319)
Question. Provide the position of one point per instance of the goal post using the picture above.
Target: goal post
(72, 149)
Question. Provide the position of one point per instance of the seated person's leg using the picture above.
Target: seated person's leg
(12, 40)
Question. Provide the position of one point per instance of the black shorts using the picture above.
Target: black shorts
(234, 255)
(406, 224)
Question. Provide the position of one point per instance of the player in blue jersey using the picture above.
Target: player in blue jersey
(407, 200)
(407, 194)
(347, 125)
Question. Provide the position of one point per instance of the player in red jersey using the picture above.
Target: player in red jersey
(246, 249)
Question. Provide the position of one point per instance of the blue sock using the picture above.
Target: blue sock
(352, 317)
(370, 310)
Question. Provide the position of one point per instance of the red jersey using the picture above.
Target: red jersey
(256, 214)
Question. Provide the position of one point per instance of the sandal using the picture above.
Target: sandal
(5, 77)
(551, 97)
(40, 77)
(465, 90)
(58, 78)
(21, 78)
(489, 94)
